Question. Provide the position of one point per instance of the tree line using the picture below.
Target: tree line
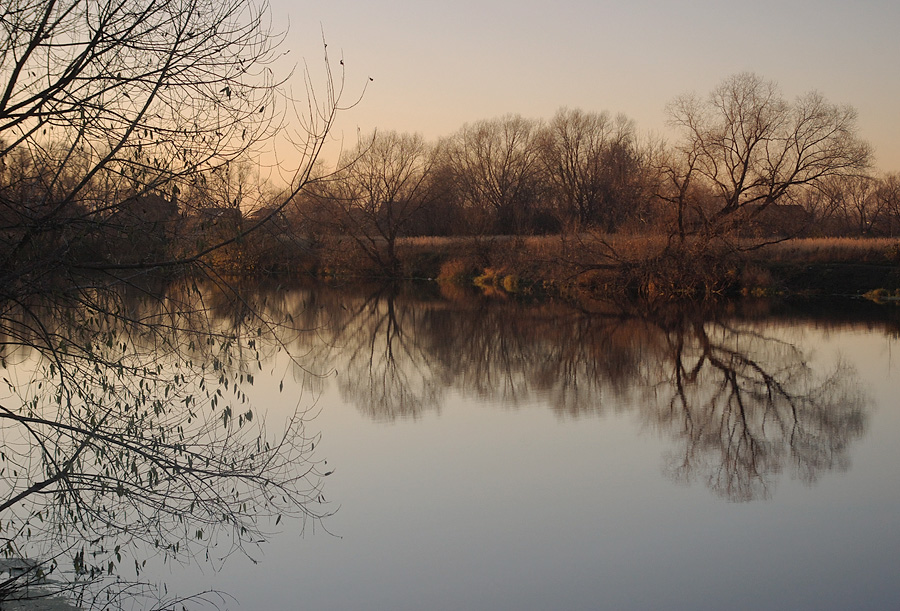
(744, 157)
(745, 162)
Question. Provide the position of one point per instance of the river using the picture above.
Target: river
(476, 452)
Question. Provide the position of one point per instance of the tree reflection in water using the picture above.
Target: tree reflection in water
(386, 369)
(127, 436)
(746, 406)
(127, 433)
(742, 404)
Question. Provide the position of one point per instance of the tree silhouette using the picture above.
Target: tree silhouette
(103, 104)
(750, 149)
(127, 434)
(382, 186)
(747, 407)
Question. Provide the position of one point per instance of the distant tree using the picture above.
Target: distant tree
(888, 194)
(593, 167)
(497, 172)
(753, 149)
(384, 183)
(852, 204)
(213, 205)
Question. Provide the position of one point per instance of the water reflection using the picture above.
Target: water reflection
(736, 395)
(127, 436)
(746, 406)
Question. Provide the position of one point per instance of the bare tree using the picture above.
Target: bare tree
(102, 101)
(854, 204)
(888, 194)
(384, 183)
(593, 165)
(497, 171)
(753, 149)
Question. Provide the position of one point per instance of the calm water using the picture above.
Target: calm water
(494, 455)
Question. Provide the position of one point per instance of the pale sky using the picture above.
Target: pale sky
(439, 65)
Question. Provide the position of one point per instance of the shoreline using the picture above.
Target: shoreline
(625, 265)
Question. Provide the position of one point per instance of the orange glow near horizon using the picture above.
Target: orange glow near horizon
(436, 68)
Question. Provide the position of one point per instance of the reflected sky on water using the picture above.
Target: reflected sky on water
(555, 476)
(500, 455)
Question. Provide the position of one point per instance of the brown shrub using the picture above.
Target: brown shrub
(457, 271)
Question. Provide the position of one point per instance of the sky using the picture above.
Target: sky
(438, 65)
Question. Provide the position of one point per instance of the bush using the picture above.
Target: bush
(512, 284)
(492, 277)
(456, 271)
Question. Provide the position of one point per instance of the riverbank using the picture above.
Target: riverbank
(642, 265)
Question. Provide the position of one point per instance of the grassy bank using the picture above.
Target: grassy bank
(832, 266)
(629, 264)
(826, 266)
